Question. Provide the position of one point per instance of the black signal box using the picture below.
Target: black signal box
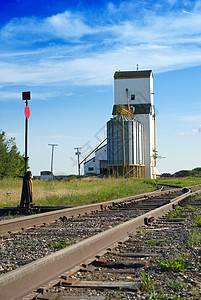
(26, 95)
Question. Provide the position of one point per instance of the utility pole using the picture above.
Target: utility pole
(52, 145)
(78, 153)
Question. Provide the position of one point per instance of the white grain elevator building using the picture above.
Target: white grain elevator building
(135, 89)
(131, 143)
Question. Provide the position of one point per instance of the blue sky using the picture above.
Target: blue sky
(66, 52)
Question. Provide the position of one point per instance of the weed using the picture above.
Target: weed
(177, 213)
(175, 264)
(115, 294)
(195, 237)
(156, 296)
(31, 212)
(196, 294)
(198, 221)
(190, 207)
(140, 230)
(175, 298)
(59, 244)
(176, 285)
(146, 282)
(8, 217)
(155, 242)
(110, 254)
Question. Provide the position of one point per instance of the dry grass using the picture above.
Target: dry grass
(73, 192)
(82, 191)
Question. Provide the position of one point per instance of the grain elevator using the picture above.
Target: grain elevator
(131, 144)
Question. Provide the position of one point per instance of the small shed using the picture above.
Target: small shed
(46, 175)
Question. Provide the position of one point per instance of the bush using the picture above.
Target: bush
(12, 163)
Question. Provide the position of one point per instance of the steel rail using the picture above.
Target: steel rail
(17, 224)
(17, 283)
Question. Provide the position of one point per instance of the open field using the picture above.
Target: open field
(83, 191)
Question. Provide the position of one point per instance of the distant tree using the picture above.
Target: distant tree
(196, 171)
(182, 173)
(11, 161)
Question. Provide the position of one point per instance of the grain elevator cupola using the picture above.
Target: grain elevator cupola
(134, 91)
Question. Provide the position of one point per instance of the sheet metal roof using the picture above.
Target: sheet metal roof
(132, 74)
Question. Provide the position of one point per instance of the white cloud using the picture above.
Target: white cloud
(186, 12)
(9, 95)
(99, 67)
(89, 54)
(194, 131)
(65, 25)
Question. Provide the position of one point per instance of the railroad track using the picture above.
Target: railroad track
(19, 282)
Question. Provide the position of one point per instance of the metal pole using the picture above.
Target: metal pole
(92, 150)
(52, 145)
(26, 196)
(26, 140)
(52, 158)
(78, 158)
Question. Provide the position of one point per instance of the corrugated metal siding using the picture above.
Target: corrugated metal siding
(133, 134)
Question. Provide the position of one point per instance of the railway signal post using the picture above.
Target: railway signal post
(26, 196)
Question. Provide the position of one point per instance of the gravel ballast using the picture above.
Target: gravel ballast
(177, 239)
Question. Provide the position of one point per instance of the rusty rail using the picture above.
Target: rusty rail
(17, 224)
(17, 283)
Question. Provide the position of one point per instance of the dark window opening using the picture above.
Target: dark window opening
(132, 97)
(90, 169)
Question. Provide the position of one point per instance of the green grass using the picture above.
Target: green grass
(154, 242)
(182, 181)
(140, 230)
(146, 282)
(74, 192)
(195, 237)
(198, 220)
(176, 285)
(175, 264)
(86, 190)
(177, 213)
(59, 244)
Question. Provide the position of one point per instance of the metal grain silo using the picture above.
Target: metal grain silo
(125, 146)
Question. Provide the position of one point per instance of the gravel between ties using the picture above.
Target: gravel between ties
(168, 238)
(20, 248)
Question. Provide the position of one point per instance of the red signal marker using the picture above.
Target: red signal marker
(27, 112)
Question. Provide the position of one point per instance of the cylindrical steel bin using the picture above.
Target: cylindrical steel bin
(124, 135)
